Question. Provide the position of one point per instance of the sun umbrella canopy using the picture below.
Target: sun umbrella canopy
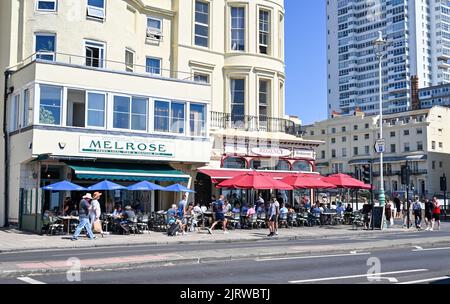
(106, 185)
(254, 180)
(64, 186)
(177, 188)
(345, 181)
(307, 181)
(145, 186)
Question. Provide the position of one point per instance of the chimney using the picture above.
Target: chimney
(415, 102)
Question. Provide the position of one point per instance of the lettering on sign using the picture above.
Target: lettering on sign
(271, 152)
(126, 146)
(299, 153)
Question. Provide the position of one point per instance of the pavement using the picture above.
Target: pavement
(157, 249)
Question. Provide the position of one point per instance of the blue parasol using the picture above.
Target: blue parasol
(64, 186)
(145, 186)
(178, 188)
(106, 185)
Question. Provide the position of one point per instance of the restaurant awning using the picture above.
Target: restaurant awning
(127, 172)
(219, 175)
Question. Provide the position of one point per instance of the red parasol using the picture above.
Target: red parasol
(254, 180)
(307, 181)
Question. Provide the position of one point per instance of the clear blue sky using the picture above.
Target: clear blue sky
(305, 39)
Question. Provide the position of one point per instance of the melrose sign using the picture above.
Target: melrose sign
(126, 146)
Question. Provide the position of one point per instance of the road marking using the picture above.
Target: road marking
(368, 276)
(312, 257)
(30, 280)
(391, 280)
(98, 252)
(426, 280)
(432, 249)
(418, 248)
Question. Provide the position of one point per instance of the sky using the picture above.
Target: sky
(305, 55)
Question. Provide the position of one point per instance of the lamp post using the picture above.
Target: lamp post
(379, 50)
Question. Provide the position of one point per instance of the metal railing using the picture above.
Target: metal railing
(104, 64)
(253, 123)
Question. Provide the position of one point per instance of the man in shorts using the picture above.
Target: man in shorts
(428, 213)
(436, 214)
(220, 216)
(273, 218)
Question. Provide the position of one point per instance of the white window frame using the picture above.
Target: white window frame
(14, 121)
(102, 47)
(268, 33)
(46, 10)
(62, 106)
(44, 53)
(153, 33)
(189, 104)
(130, 97)
(160, 65)
(230, 45)
(203, 24)
(127, 67)
(105, 111)
(268, 95)
(201, 74)
(186, 104)
(96, 12)
(26, 107)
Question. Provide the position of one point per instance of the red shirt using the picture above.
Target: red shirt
(437, 209)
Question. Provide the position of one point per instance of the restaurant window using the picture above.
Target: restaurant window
(130, 113)
(264, 31)
(95, 54)
(153, 65)
(96, 110)
(45, 46)
(201, 23)
(96, 9)
(46, 6)
(197, 119)
(262, 164)
(238, 29)
(237, 100)
(177, 113)
(302, 165)
(234, 163)
(282, 165)
(50, 105)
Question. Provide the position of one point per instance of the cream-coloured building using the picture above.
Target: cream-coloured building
(421, 137)
(133, 90)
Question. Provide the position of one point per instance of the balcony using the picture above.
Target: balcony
(254, 123)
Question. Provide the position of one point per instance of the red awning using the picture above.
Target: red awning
(254, 180)
(219, 175)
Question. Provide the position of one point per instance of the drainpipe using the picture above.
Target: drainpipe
(5, 137)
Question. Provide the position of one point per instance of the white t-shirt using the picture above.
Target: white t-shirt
(95, 208)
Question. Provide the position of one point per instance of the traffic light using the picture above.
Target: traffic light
(366, 169)
(405, 174)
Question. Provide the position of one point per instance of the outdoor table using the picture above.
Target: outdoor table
(68, 219)
(206, 213)
(328, 215)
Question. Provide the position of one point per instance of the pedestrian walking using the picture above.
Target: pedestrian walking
(83, 214)
(417, 210)
(272, 217)
(220, 216)
(95, 212)
(388, 212)
(277, 213)
(406, 211)
(428, 213)
(436, 214)
(398, 209)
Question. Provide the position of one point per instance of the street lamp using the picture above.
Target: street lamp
(379, 50)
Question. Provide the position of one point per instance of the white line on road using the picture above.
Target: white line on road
(425, 280)
(369, 276)
(432, 249)
(313, 257)
(30, 280)
(418, 248)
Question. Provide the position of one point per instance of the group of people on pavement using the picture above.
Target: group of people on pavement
(417, 209)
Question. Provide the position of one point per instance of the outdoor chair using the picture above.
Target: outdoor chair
(337, 219)
(358, 220)
(235, 221)
(55, 225)
(283, 220)
(142, 223)
(314, 219)
(253, 221)
(302, 219)
(292, 219)
(261, 220)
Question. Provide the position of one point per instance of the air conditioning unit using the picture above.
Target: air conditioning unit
(153, 34)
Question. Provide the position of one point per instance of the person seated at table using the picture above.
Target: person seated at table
(68, 206)
(127, 217)
(188, 218)
(236, 209)
(226, 207)
(244, 209)
(261, 209)
(198, 209)
(316, 211)
(283, 209)
(349, 208)
(117, 213)
(290, 209)
(333, 206)
(340, 209)
(172, 217)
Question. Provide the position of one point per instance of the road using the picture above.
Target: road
(390, 266)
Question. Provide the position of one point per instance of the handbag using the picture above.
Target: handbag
(97, 227)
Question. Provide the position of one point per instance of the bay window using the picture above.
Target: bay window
(96, 110)
(50, 105)
(130, 113)
(238, 29)
(197, 119)
(161, 116)
(169, 117)
(177, 114)
(264, 31)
